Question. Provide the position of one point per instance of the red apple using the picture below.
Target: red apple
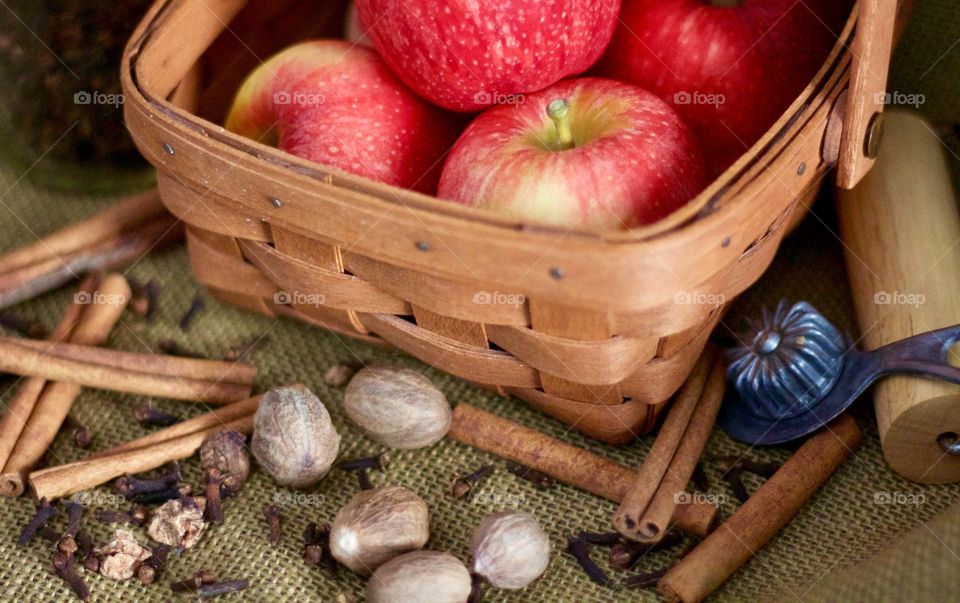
(588, 153)
(729, 67)
(466, 56)
(339, 104)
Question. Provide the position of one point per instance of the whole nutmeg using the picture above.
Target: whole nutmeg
(377, 525)
(226, 451)
(397, 407)
(510, 549)
(293, 438)
(420, 577)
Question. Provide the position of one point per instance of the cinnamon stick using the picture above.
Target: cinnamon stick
(31, 280)
(163, 376)
(101, 226)
(26, 396)
(649, 525)
(569, 464)
(192, 368)
(57, 482)
(103, 309)
(766, 512)
(216, 417)
(664, 449)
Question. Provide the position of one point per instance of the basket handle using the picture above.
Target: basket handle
(863, 119)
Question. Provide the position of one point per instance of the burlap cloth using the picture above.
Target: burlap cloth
(842, 527)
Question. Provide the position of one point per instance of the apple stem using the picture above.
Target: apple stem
(559, 112)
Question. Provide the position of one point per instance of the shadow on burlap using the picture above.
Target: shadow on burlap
(842, 527)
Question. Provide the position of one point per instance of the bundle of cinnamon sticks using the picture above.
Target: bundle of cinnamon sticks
(115, 237)
(57, 370)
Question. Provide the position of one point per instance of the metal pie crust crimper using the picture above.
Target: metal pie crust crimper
(795, 372)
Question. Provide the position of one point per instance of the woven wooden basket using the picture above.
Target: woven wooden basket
(598, 330)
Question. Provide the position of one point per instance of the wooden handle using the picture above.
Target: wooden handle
(863, 122)
(900, 227)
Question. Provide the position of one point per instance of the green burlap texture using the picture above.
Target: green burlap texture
(842, 527)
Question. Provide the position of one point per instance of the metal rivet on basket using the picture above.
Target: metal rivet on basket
(276, 202)
(423, 246)
(556, 273)
(874, 136)
(167, 149)
(802, 168)
(726, 242)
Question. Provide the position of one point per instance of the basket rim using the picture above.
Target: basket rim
(698, 211)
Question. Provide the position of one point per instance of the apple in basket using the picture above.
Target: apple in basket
(338, 104)
(729, 67)
(466, 56)
(586, 153)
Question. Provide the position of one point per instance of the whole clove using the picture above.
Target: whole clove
(579, 548)
(151, 416)
(64, 566)
(49, 534)
(541, 481)
(477, 584)
(215, 589)
(154, 489)
(700, 479)
(758, 468)
(137, 515)
(601, 538)
(152, 292)
(146, 574)
(74, 515)
(84, 546)
(158, 557)
(139, 302)
(196, 306)
(192, 585)
(213, 511)
(625, 555)
(272, 514)
(463, 485)
(316, 548)
(362, 466)
(92, 564)
(82, 435)
(67, 545)
(734, 477)
(45, 512)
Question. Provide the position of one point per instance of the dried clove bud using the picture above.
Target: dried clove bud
(216, 589)
(131, 487)
(397, 407)
(510, 549)
(22, 326)
(339, 375)
(420, 577)
(294, 439)
(74, 515)
(377, 525)
(122, 556)
(192, 585)
(646, 579)
(213, 510)
(579, 548)
(362, 466)
(227, 452)
(150, 416)
(146, 574)
(196, 306)
(45, 513)
(625, 555)
(541, 481)
(316, 547)
(272, 514)
(178, 523)
(82, 435)
(64, 565)
(462, 486)
(137, 515)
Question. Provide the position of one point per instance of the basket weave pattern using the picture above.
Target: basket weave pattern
(598, 330)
